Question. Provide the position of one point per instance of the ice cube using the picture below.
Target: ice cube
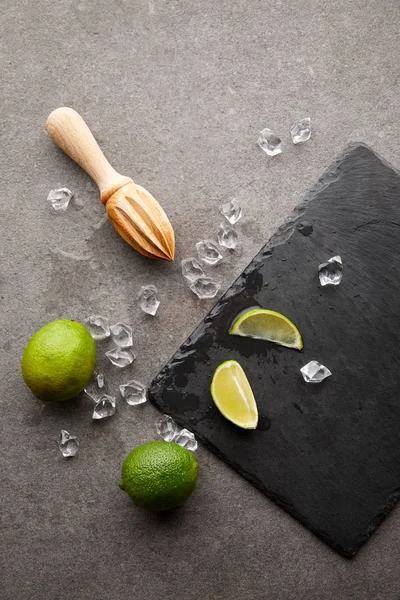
(60, 198)
(232, 211)
(68, 444)
(104, 408)
(148, 299)
(205, 287)
(208, 252)
(227, 236)
(167, 428)
(101, 381)
(121, 335)
(331, 272)
(301, 131)
(96, 387)
(121, 357)
(269, 142)
(186, 439)
(99, 327)
(191, 269)
(134, 392)
(314, 372)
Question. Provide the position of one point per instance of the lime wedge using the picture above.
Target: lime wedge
(269, 325)
(233, 396)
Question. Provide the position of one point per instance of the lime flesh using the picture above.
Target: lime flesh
(233, 396)
(264, 324)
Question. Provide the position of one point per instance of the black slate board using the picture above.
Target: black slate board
(329, 454)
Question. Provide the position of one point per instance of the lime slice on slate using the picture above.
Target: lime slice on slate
(233, 396)
(269, 325)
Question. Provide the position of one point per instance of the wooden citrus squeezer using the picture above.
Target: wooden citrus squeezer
(135, 214)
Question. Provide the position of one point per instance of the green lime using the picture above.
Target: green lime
(59, 360)
(159, 475)
(264, 324)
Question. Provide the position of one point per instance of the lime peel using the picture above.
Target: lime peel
(59, 360)
(159, 475)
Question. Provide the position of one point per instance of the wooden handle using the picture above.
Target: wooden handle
(70, 132)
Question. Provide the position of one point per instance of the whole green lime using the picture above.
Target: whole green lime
(59, 360)
(159, 475)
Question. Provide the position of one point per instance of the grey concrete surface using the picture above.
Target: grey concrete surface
(176, 93)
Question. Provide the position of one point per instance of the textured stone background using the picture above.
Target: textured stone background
(176, 93)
